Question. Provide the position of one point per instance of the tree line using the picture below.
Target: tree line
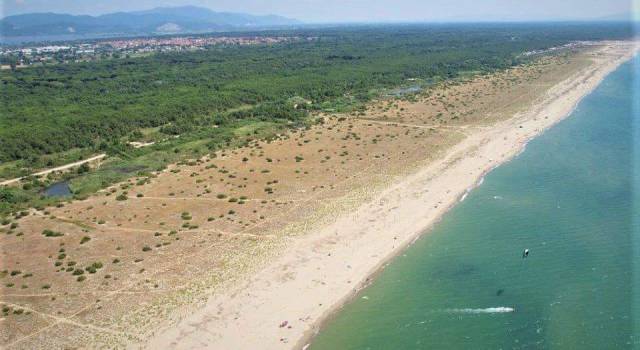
(55, 108)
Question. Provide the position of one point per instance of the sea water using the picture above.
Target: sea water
(571, 198)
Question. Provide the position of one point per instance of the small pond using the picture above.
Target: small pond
(58, 189)
(405, 91)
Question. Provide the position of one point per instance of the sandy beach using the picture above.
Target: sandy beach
(258, 246)
(283, 305)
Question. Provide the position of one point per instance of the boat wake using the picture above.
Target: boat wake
(489, 310)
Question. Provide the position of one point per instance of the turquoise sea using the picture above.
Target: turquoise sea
(572, 199)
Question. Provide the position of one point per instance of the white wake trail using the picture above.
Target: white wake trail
(489, 310)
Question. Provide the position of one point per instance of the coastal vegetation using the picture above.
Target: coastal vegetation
(94, 105)
(206, 222)
(185, 105)
(205, 167)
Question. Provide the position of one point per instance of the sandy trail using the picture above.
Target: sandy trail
(74, 164)
(60, 168)
(321, 270)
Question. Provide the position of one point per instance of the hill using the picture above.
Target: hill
(161, 20)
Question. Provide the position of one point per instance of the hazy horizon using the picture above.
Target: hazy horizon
(333, 11)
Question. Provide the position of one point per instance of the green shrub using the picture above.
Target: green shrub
(50, 233)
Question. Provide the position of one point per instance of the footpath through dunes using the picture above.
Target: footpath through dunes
(93, 159)
(208, 251)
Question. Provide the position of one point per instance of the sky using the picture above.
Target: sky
(318, 11)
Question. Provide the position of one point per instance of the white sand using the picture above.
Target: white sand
(323, 269)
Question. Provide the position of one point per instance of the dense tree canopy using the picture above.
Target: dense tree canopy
(55, 108)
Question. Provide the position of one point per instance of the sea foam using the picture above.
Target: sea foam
(489, 310)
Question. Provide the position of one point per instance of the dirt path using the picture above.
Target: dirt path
(60, 168)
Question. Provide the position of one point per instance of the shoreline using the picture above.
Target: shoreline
(341, 259)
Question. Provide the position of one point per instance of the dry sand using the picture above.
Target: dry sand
(272, 239)
(320, 271)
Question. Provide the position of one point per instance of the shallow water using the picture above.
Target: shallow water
(570, 198)
(58, 189)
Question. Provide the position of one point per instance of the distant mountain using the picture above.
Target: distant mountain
(633, 16)
(159, 20)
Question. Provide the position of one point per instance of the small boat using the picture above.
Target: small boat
(525, 253)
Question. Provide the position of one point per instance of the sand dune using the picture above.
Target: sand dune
(284, 304)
